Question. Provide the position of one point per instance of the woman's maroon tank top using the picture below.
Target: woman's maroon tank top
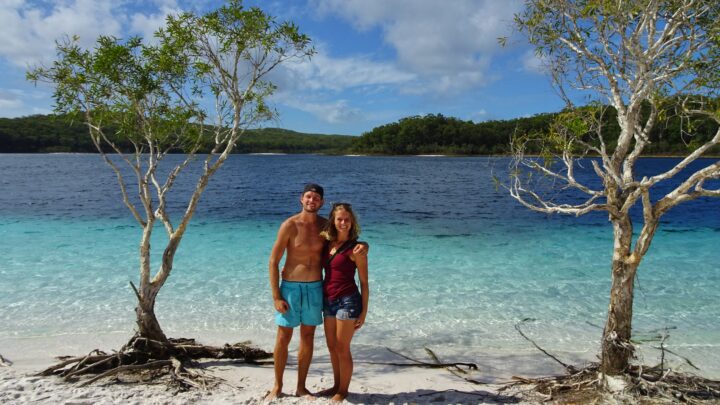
(339, 278)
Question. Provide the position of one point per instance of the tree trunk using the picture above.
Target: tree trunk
(616, 347)
(148, 325)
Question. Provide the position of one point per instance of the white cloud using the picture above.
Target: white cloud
(336, 112)
(145, 25)
(533, 63)
(325, 73)
(449, 44)
(9, 100)
(479, 115)
(302, 84)
(30, 29)
(362, 14)
(29, 34)
(16, 102)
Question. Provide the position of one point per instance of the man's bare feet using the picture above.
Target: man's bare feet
(339, 397)
(304, 393)
(328, 392)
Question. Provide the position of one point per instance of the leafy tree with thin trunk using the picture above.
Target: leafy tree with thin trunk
(199, 86)
(646, 60)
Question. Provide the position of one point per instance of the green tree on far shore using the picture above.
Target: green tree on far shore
(429, 134)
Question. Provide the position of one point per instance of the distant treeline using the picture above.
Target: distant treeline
(437, 134)
(51, 133)
(429, 134)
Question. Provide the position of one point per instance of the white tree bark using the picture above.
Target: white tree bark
(628, 60)
(233, 100)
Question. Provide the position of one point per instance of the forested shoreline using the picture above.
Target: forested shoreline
(429, 134)
(56, 134)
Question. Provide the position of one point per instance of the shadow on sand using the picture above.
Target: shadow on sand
(424, 396)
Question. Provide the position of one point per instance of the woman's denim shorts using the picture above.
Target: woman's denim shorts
(344, 308)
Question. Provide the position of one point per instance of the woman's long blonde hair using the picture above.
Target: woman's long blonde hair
(329, 232)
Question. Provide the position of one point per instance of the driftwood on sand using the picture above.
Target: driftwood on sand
(658, 384)
(147, 359)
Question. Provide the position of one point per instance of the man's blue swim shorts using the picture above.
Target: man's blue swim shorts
(305, 300)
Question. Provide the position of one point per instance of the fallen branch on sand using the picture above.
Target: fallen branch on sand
(585, 384)
(5, 362)
(422, 364)
(568, 367)
(149, 359)
(436, 364)
(454, 368)
(655, 382)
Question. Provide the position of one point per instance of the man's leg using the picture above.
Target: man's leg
(280, 356)
(305, 354)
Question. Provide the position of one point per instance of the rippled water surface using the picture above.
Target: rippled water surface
(454, 262)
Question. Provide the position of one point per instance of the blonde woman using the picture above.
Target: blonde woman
(344, 305)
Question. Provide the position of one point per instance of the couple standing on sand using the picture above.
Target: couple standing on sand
(305, 299)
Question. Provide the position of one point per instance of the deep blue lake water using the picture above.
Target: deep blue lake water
(454, 261)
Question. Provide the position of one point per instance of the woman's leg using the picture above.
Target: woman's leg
(344, 333)
(330, 332)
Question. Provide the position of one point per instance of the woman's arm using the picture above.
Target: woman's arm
(362, 265)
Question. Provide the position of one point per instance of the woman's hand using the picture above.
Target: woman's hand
(360, 321)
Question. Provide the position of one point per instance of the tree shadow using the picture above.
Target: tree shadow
(425, 396)
(210, 363)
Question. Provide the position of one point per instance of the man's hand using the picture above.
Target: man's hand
(281, 305)
(362, 248)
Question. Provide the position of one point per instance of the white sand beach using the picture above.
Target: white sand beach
(247, 384)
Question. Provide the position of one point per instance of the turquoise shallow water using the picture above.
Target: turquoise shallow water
(455, 274)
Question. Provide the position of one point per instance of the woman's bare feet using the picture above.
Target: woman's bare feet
(339, 397)
(328, 392)
(304, 393)
(274, 393)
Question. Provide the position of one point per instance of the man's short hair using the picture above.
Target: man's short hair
(314, 188)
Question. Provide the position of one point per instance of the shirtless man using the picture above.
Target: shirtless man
(298, 300)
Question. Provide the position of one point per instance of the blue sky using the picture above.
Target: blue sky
(377, 61)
